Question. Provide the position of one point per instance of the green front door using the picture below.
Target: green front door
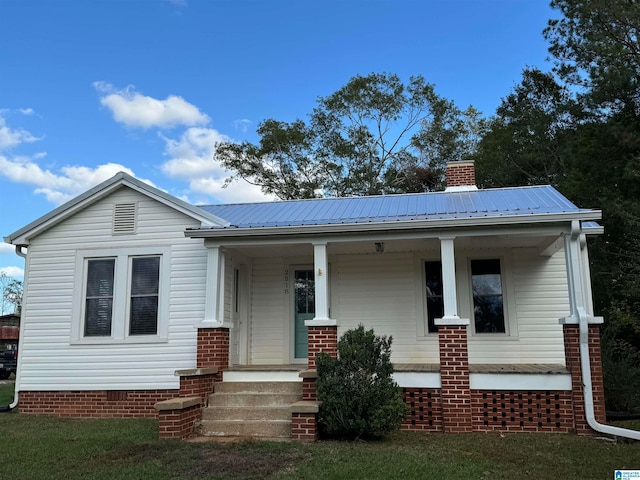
(304, 307)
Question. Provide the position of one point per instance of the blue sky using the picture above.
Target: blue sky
(90, 87)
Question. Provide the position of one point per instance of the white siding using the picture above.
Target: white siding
(50, 360)
(269, 313)
(539, 288)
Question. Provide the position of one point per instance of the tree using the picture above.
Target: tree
(596, 46)
(11, 295)
(374, 135)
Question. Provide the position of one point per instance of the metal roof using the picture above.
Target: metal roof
(394, 208)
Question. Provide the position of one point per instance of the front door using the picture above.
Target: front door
(304, 308)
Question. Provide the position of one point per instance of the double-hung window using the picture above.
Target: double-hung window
(123, 296)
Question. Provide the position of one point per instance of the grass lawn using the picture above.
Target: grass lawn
(6, 393)
(49, 448)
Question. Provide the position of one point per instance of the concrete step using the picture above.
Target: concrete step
(252, 400)
(249, 414)
(244, 428)
(293, 388)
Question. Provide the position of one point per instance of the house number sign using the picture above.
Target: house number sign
(286, 281)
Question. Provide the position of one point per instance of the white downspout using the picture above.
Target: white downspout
(14, 404)
(579, 315)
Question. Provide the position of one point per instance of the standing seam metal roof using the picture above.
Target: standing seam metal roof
(390, 208)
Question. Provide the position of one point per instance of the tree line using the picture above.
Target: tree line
(575, 126)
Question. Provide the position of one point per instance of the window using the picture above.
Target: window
(433, 286)
(488, 304)
(99, 299)
(122, 296)
(145, 280)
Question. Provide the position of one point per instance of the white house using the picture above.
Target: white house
(134, 297)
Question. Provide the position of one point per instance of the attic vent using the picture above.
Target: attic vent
(124, 218)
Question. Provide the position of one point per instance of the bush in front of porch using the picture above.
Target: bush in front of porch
(359, 397)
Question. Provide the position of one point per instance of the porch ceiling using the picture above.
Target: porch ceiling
(396, 245)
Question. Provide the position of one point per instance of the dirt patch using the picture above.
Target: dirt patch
(204, 461)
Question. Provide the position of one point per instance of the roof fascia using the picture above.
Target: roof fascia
(448, 223)
(23, 235)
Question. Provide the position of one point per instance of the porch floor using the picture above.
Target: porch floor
(532, 368)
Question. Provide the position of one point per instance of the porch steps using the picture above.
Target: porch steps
(250, 409)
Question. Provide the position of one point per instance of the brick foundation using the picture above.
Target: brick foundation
(309, 389)
(322, 339)
(522, 411)
(572, 353)
(197, 385)
(425, 409)
(454, 376)
(94, 404)
(213, 349)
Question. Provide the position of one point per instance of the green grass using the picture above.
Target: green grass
(35, 447)
(6, 393)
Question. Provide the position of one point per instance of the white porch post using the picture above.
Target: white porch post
(449, 293)
(214, 299)
(321, 274)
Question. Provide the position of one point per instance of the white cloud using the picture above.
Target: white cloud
(27, 111)
(10, 137)
(5, 248)
(192, 159)
(10, 271)
(136, 110)
(59, 187)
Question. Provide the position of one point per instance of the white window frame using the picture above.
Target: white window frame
(508, 298)
(121, 295)
(465, 294)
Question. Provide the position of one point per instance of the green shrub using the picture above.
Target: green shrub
(359, 397)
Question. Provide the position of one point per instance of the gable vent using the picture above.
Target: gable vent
(124, 218)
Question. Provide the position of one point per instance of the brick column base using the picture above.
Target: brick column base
(454, 374)
(304, 421)
(177, 417)
(572, 358)
(213, 349)
(322, 339)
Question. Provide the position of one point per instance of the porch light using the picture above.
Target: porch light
(379, 247)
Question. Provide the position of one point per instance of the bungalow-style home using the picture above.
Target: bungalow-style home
(137, 303)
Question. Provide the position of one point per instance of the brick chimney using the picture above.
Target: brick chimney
(461, 176)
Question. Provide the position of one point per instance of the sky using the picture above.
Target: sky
(89, 88)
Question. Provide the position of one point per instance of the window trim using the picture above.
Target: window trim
(508, 298)
(121, 296)
(465, 294)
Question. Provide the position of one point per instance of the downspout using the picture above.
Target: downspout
(14, 404)
(579, 315)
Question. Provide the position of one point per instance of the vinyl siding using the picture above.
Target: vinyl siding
(269, 313)
(49, 358)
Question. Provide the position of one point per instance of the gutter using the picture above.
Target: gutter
(14, 404)
(579, 315)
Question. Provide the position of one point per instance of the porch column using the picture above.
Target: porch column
(454, 356)
(582, 327)
(213, 334)
(322, 331)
